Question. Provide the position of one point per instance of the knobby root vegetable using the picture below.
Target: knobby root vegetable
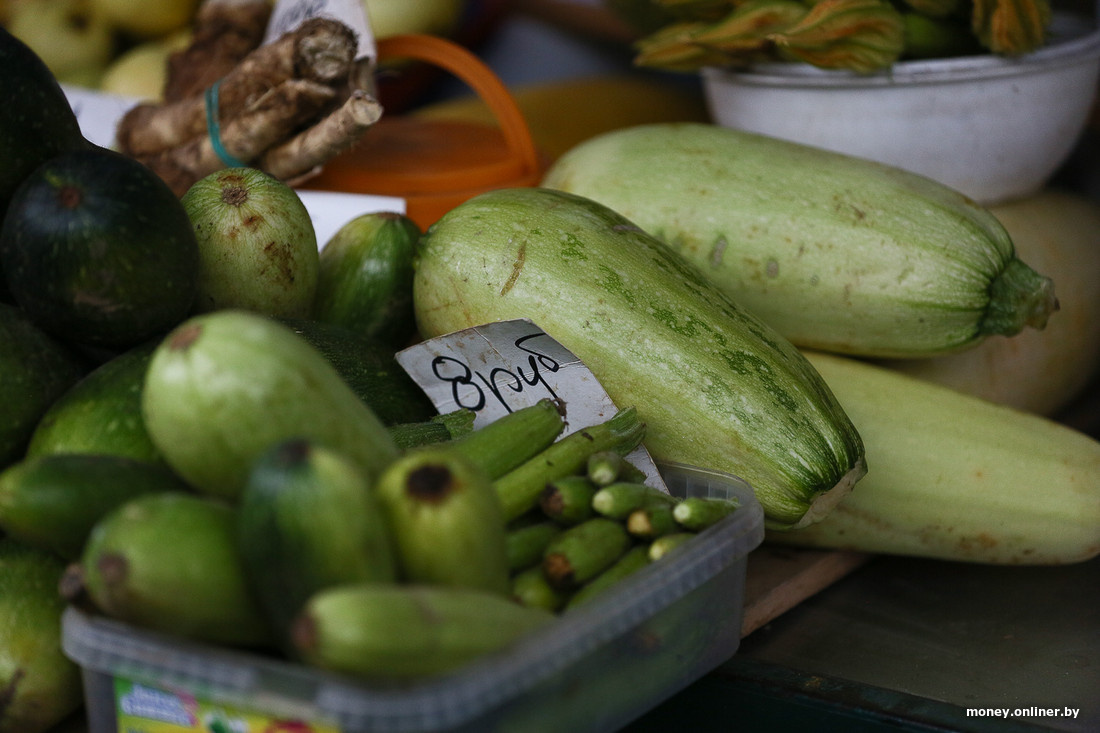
(223, 33)
(269, 120)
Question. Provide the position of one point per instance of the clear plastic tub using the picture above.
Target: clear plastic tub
(597, 668)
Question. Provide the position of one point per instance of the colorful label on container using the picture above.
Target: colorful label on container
(141, 708)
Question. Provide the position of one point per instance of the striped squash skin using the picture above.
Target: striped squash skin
(837, 253)
(1058, 232)
(715, 386)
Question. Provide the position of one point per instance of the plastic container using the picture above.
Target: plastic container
(595, 669)
(994, 128)
(437, 164)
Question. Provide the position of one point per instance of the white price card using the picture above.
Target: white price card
(497, 368)
(98, 113)
(331, 210)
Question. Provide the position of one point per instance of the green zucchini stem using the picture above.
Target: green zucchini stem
(826, 501)
(1018, 297)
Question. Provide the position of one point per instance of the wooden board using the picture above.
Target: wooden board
(779, 578)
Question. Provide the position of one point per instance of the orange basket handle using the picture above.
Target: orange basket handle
(460, 62)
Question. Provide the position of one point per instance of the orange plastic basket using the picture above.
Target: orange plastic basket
(434, 165)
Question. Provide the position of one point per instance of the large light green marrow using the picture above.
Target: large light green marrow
(836, 253)
(714, 385)
(955, 477)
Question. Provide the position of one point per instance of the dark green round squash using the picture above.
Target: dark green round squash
(36, 120)
(98, 250)
(35, 370)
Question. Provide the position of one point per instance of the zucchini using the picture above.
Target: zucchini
(957, 477)
(526, 539)
(531, 588)
(442, 428)
(666, 543)
(607, 467)
(652, 521)
(713, 384)
(583, 551)
(513, 438)
(37, 121)
(168, 561)
(1058, 232)
(617, 500)
(101, 413)
(836, 253)
(257, 245)
(568, 500)
(53, 501)
(41, 685)
(369, 368)
(99, 251)
(225, 386)
(308, 520)
(519, 489)
(408, 631)
(696, 513)
(630, 562)
(35, 370)
(365, 277)
(445, 520)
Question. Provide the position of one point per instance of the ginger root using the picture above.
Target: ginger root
(224, 32)
(284, 107)
(302, 156)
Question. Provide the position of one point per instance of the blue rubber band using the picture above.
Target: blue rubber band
(213, 129)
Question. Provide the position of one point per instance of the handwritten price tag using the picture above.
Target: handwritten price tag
(497, 368)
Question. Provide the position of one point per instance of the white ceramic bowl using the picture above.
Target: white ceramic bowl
(993, 128)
